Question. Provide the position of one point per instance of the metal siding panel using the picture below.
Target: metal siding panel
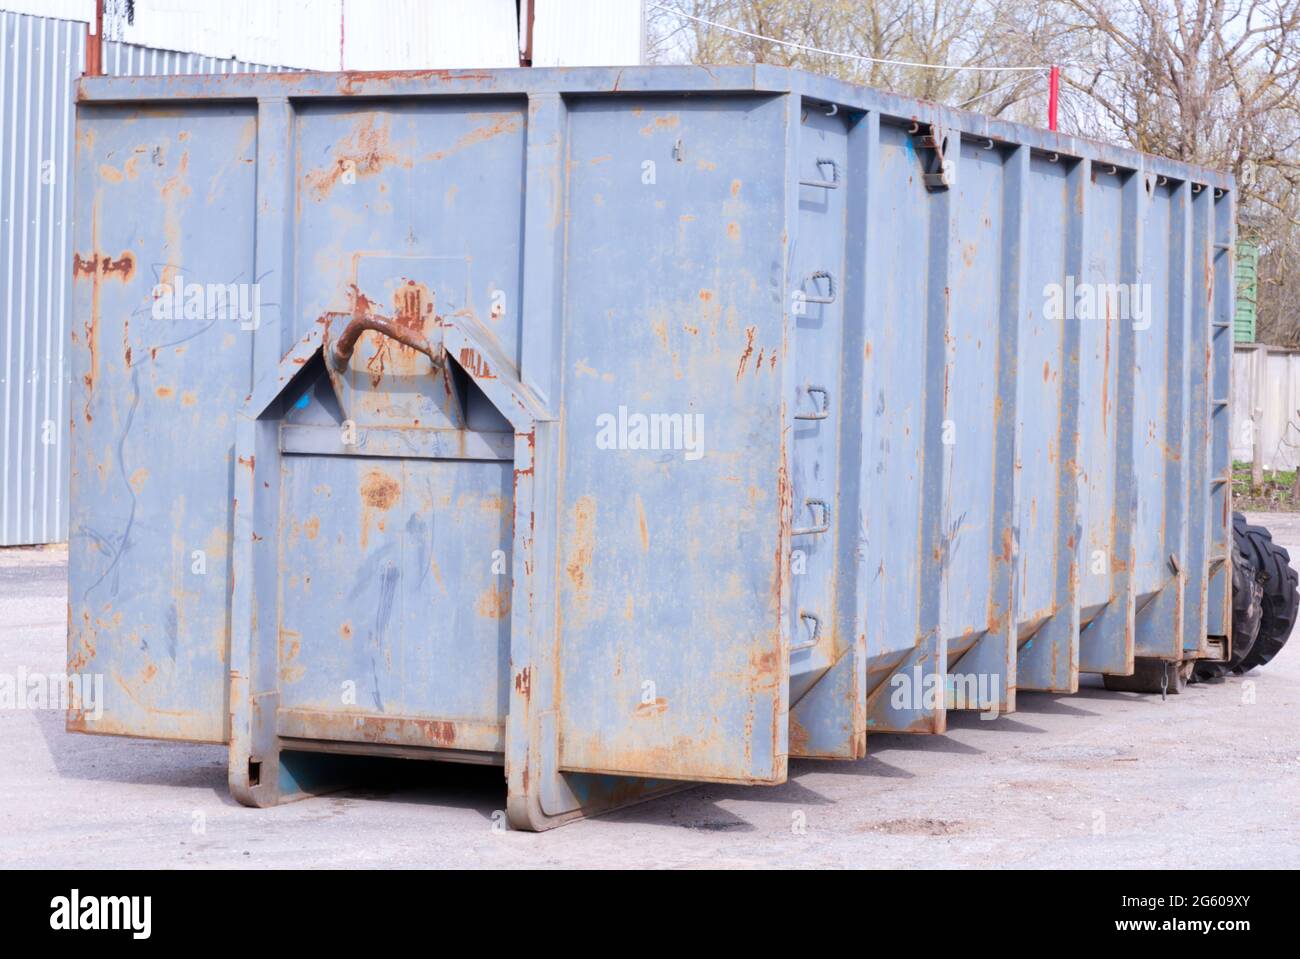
(38, 58)
(413, 35)
(40, 61)
(588, 33)
(330, 34)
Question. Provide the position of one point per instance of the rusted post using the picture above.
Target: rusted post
(526, 34)
(95, 43)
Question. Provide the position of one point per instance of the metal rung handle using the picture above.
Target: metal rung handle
(816, 632)
(823, 511)
(824, 409)
(833, 183)
(830, 286)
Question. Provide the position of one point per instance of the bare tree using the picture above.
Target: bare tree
(1215, 82)
(972, 34)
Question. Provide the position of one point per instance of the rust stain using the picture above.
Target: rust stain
(748, 352)
(474, 364)
(733, 230)
(173, 192)
(494, 603)
(798, 737)
(164, 392)
(442, 733)
(311, 528)
(584, 527)
(290, 644)
(668, 121)
(353, 82)
(656, 708)
(1105, 378)
(500, 123)
(413, 306)
(362, 152)
(379, 490)
(641, 523)
(123, 268)
(524, 682)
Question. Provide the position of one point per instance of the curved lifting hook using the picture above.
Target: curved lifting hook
(341, 354)
(914, 128)
(832, 109)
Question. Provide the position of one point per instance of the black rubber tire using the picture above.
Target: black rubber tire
(1247, 612)
(1281, 599)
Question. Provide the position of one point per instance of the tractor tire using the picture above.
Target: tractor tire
(1247, 612)
(1280, 600)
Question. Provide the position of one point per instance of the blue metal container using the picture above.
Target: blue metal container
(626, 428)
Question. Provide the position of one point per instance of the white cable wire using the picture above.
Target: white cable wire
(988, 93)
(832, 53)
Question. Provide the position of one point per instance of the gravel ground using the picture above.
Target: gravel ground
(1208, 778)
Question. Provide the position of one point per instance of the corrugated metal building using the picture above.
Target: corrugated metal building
(43, 51)
(373, 34)
(40, 60)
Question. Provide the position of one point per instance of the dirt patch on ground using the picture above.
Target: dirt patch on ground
(1277, 493)
(916, 827)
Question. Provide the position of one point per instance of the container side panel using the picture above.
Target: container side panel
(1221, 291)
(1038, 403)
(895, 388)
(674, 478)
(817, 276)
(1098, 394)
(160, 365)
(1146, 308)
(971, 433)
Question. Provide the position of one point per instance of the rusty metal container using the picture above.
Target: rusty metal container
(626, 428)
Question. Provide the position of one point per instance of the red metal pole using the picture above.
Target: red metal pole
(1053, 96)
(95, 44)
